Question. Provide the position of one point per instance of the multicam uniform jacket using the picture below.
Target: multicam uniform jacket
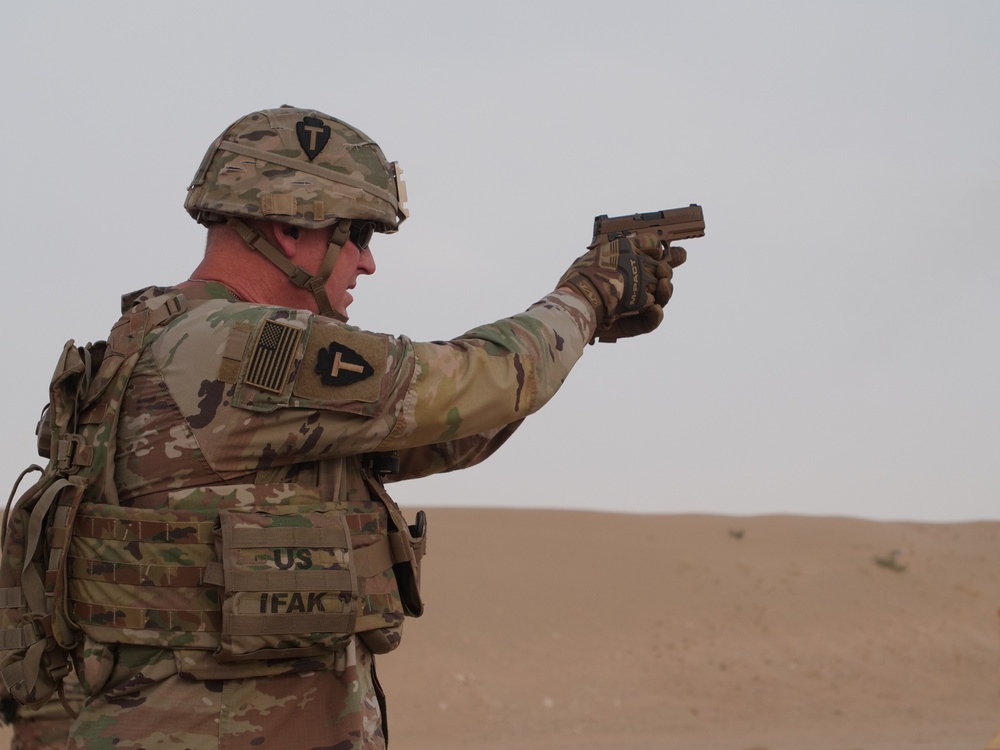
(240, 425)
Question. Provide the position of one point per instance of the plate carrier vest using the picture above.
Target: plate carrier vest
(249, 572)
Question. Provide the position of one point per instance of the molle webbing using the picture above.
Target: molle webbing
(243, 580)
(142, 570)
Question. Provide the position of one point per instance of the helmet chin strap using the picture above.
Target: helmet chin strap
(315, 283)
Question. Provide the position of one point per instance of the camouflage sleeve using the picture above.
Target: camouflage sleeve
(492, 375)
(260, 386)
(451, 455)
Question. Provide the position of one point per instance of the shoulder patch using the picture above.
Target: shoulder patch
(340, 364)
(272, 356)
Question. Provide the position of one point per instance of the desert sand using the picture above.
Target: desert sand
(547, 630)
(586, 630)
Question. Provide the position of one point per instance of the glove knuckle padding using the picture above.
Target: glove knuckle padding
(627, 281)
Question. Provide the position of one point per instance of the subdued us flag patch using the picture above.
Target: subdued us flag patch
(272, 356)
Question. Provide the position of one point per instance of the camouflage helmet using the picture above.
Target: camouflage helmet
(300, 167)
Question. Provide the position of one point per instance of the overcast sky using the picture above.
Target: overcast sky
(833, 346)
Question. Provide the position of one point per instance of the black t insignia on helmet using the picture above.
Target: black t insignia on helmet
(313, 135)
(340, 365)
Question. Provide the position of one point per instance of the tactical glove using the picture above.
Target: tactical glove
(628, 281)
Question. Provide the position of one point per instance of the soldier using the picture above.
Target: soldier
(235, 561)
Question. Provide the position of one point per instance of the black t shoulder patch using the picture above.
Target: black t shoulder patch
(341, 365)
(338, 364)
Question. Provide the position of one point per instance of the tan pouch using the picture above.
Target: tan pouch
(289, 589)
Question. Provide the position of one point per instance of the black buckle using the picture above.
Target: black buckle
(381, 463)
(66, 451)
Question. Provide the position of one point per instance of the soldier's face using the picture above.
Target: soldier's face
(351, 262)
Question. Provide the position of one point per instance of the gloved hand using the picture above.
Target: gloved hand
(628, 281)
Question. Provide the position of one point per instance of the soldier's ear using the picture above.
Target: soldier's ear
(286, 237)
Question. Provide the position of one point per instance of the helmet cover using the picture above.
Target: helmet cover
(300, 167)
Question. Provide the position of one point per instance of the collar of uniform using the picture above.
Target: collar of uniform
(201, 290)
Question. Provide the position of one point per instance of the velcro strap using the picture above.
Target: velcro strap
(72, 452)
(138, 574)
(290, 580)
(214, 574)
(58, 536)
(11, 597)
(372, 560)
(249, 537)
(159, 310)
(278, 204)
(26, 634)
(142, 618)
(94, 414)
(236, 342)
(125, 530)
(314, 622)
(16, 638)
(402, 212)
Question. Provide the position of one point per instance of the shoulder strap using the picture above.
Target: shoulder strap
(99, 407)
(98, 429)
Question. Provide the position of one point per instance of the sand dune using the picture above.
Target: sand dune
(584, 630)
(549, 630)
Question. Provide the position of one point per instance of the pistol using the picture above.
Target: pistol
(667, 226)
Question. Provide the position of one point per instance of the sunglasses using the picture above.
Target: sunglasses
(361, 233)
